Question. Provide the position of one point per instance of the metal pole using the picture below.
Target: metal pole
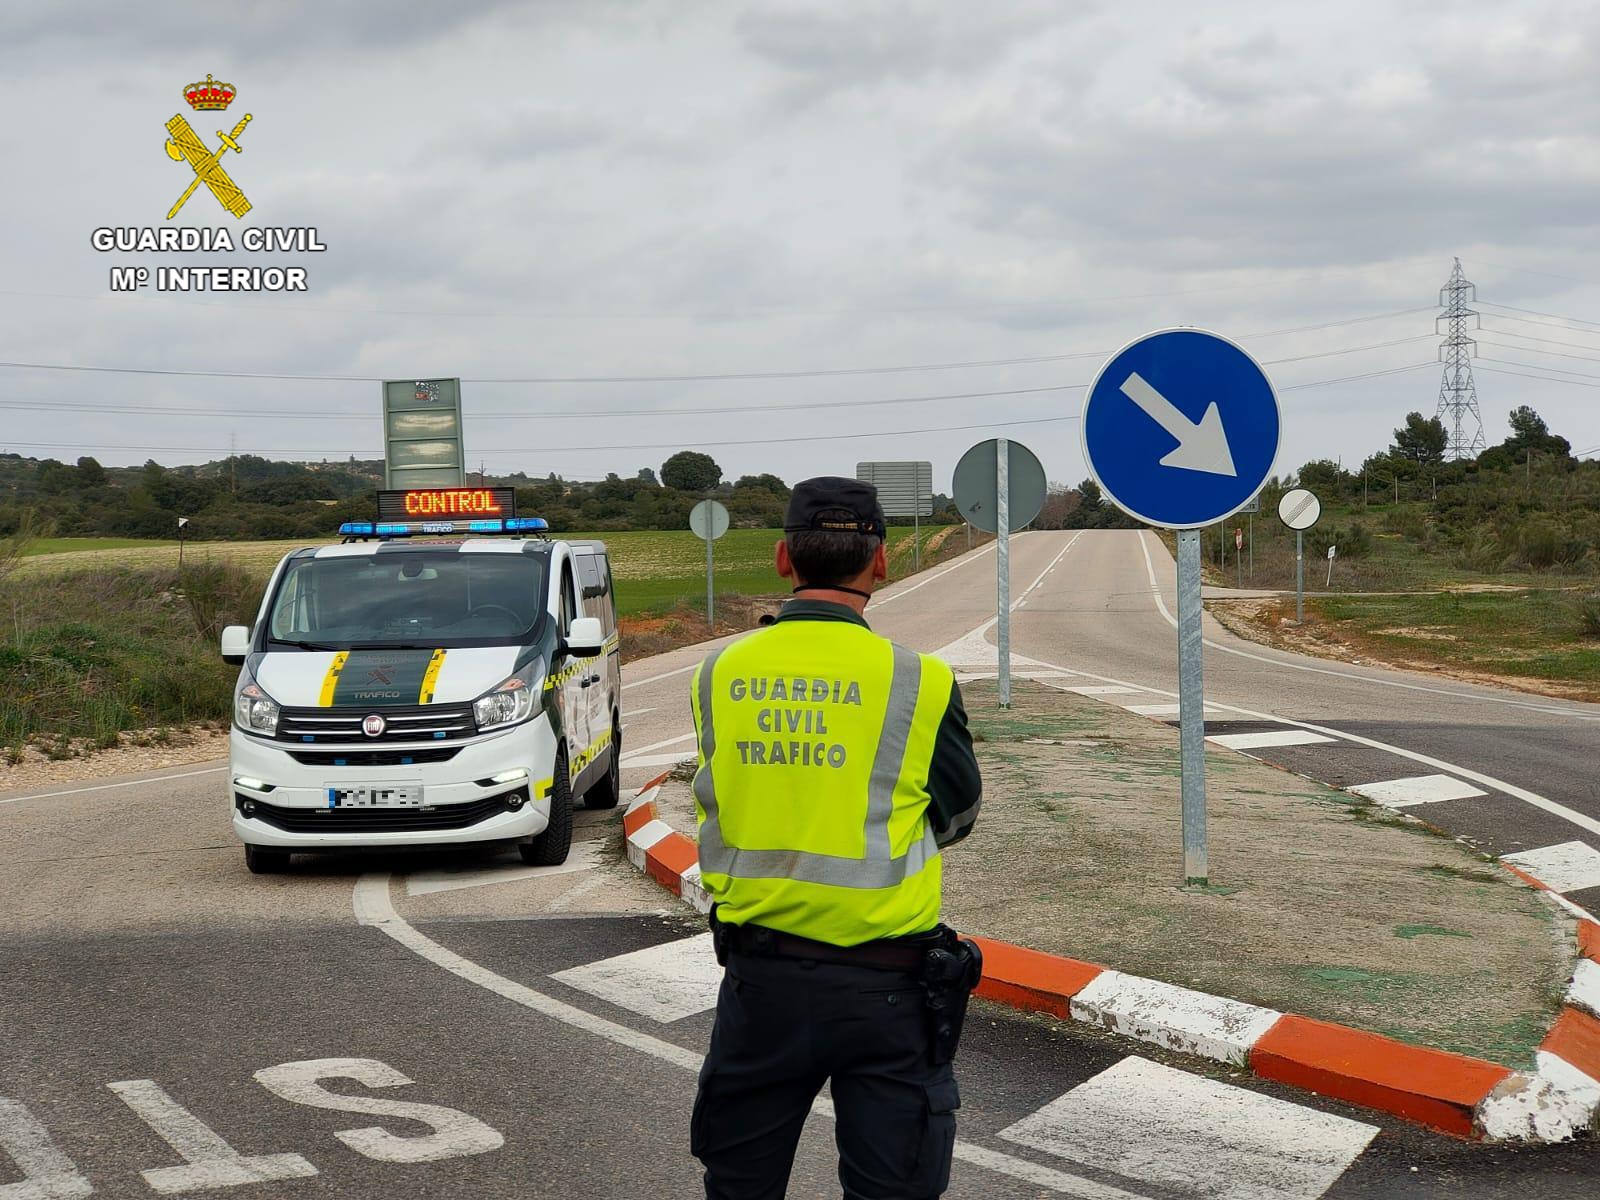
(969, 535)
(1252, 546)
(1002, 563)
(1330, 571)
(916, 536)
(1191, 710)
(1238, 568)
(1299, 576)
(711, 616)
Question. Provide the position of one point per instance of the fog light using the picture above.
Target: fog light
(247, 807)
(515, 801)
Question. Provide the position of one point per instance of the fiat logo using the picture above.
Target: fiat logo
(373, 725)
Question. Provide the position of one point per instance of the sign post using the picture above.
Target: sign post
(1180, 429)
(709, 521)
(1299, 510)
(1332, 552)
(999, 486)
(1238, 557)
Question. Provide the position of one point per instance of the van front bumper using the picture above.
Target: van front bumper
(282, 803)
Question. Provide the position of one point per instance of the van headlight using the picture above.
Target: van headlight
(511, 701)
(253, 710)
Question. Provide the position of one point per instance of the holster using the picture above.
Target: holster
(951, 970)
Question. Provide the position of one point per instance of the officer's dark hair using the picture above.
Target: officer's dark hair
(829, 557)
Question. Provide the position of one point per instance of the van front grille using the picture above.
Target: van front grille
(412, 723)
(377, 820)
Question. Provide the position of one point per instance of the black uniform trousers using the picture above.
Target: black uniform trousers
(785, 1026)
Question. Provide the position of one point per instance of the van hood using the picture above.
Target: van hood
(378, 678)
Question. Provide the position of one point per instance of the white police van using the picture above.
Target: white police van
(427, 682)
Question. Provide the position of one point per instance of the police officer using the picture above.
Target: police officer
(834, 766)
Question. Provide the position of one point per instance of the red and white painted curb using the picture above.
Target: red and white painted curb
(1469, 1097)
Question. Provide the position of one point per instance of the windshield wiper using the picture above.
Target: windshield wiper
(303, 645)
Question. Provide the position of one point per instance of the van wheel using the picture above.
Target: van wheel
(263, 861)
(550, 848)
(608, 791)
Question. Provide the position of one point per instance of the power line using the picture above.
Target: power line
(1509, 362)
(324, 415)
(1538, 313)
(1545, 378)
(681, 378)
(1536, 350)
(1528, 337)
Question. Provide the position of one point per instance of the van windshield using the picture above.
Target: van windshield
(434, 598)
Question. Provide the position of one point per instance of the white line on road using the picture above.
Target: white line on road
(646, 762)
(665, 982)
(1567, 867)
(966, 559)
(658, 678)
(671, 741)
(101, 787)
(1416, 789)
(1355, 676)
(1153, 1123)
(1537, 801)
(1260, 741)
(372, 906)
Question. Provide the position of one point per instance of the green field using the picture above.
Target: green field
(655, 571)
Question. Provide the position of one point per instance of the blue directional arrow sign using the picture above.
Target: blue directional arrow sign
(1180, 428)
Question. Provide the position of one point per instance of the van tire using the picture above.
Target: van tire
(549, 849)
(263, 861)
(608, 790)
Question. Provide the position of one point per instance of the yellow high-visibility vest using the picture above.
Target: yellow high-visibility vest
(812, 790)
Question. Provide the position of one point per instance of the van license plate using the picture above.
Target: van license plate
(384, 795)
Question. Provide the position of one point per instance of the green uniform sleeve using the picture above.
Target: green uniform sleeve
(954, 785)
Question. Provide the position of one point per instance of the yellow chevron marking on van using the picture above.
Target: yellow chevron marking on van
(331, 680)
(430, 678)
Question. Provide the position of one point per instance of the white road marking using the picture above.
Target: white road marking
(1104, 690)
(1274, 737)
(1150, 1122)
(639, 712)
(370, 901)
(583, 857)
(671, 741)
(1174, 1017)
(1566, 867)
(1519, 793)
(1416, 789)
(210, 1162)
(48, 1174)
(660, 677)
(1584, 991)
(639, 763)
(103, 787)
(665, 983)
(454, 1133)
(1357, 677)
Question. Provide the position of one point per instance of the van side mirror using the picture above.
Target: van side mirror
(235, 644)
(586, 638)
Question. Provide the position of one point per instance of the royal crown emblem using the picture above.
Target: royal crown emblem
(209, 95)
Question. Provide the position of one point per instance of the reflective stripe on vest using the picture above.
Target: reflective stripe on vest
(878, 867)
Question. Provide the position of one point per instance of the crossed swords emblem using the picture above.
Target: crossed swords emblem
(185, 144)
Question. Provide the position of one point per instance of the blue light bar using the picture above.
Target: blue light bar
(392, 529)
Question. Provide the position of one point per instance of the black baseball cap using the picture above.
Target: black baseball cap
(832, 502)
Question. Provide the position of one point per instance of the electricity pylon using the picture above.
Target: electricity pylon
(1458, 394)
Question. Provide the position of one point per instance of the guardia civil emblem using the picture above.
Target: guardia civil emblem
(184, 145)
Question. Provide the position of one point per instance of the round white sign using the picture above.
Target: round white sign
(1299, 509)
(709, 520)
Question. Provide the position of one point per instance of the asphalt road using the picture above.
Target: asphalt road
(461, 1026)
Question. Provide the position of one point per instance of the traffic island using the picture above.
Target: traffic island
(1337, 947)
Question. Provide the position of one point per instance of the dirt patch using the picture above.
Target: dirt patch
(45, 763)
(1319, 903)
(1270, 622)
(650, 634)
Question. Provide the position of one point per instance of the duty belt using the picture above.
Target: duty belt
(889, 954)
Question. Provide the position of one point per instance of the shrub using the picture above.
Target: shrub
(1589, 615)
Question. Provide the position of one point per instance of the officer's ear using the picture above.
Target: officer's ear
(780, 556)
(880, 562)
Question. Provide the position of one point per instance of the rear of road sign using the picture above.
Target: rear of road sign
(975, 486)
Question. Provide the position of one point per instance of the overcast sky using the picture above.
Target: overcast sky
(679, 188)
